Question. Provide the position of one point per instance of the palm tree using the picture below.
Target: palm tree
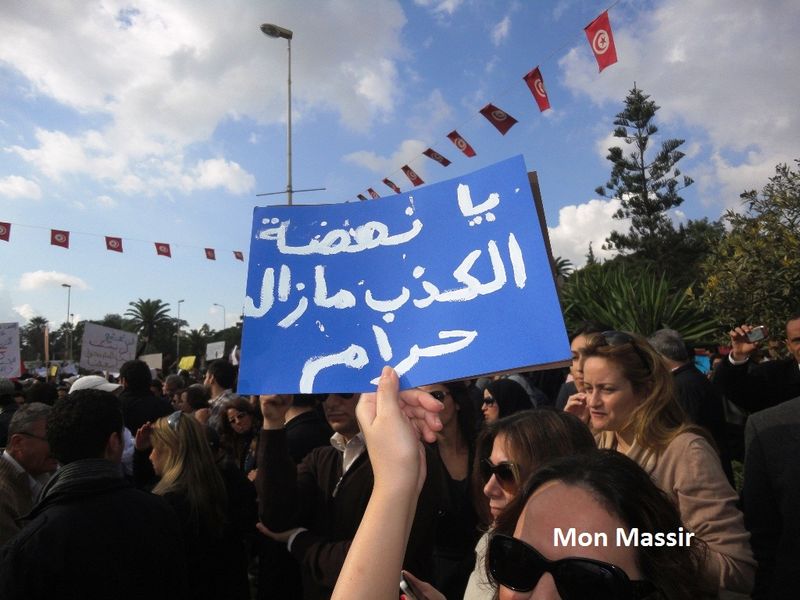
(564, 267)
(147, 317)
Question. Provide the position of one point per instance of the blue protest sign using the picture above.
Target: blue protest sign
(448, 281)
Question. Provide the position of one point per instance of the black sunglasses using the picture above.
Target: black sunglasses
(518, 566)
(174, 419)
(440, 395)
(617, 338)
(506, 473)
(488, 401)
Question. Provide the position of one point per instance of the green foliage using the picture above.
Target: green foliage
(753, 275)
(632, 299)
(151, 320)
(646, 188)
(563, 267)
(32, 339)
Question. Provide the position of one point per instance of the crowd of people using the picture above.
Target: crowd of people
(616, 481)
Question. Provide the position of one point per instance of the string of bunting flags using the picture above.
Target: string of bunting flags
(601, 40)
(60, 237)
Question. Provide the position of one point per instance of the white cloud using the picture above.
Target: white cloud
(432, 114)
(440, 6)
(26, 311)
(501, 30)
(38, 280)
(220, 173)
(159, 78)
(15, 186)
(408, 151)
(578, 225)
(727, 69)
(105, 201)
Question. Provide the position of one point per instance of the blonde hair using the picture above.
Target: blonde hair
(189, 469)
(659, 418)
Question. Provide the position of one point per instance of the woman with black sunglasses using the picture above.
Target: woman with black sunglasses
(508, 451)
(601, 494)
(629, 400)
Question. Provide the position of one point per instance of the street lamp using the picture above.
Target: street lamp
(178, 343)
(224, 320)
(69, 329)
(274, 31)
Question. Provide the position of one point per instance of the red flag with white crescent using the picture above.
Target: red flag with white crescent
(114, 244)
(237, 254)
(536, 85)
(499, 118)
(431, 153)
(5, 231)
(59, 238)
(210, 254)
(412, 176)
(373, 193)
(598, 32)
(461, 143)
(163, 250)
(392, 185)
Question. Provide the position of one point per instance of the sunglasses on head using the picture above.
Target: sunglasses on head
(174, 419)
(518, 566)
(506, 474)
(617, 338)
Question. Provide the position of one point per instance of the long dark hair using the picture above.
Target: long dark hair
(532, 438)
(625, 490)
(509, 395)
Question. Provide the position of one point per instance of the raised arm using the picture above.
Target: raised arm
(393, 423)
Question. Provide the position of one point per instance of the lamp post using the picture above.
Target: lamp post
(275, 31)
(69, 328)
(224, 320)
(178, 341)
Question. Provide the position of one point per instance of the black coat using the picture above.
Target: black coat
(771, 497)
(138, 409)
(756, 387)
(102, 539)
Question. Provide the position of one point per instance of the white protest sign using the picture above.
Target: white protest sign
(105, 349)
(9, 350)
(154, 361)
(215, 350)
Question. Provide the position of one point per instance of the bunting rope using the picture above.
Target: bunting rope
(501, 120)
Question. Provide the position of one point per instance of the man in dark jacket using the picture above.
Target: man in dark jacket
(771, 496)
(756, 387)
(92, 535)
(315, 507)
(139, 405)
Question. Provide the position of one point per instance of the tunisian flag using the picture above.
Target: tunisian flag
(598, 32)
(499, 118)
(431, 153)
(461, 143)
(59, 238)
(163, 250)
(373, 193)
(5, 231)
(412, 176)
(114, 244)
(210, 254)
(392, 185)
(536, 85)
(237, 254)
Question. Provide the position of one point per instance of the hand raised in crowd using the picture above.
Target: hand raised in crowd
(741, 347)
(577, 405)
(393, 423)
(142, 440)
(273, 409)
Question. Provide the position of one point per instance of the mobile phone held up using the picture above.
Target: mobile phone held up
(757, 334)
(408, 590)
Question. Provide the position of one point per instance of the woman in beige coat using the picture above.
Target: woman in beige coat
(629, 401)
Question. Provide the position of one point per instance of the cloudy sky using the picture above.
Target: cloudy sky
(160, 121)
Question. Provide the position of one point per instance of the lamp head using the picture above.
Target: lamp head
(276, 31)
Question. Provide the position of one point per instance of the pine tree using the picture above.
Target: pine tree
(646, 189)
